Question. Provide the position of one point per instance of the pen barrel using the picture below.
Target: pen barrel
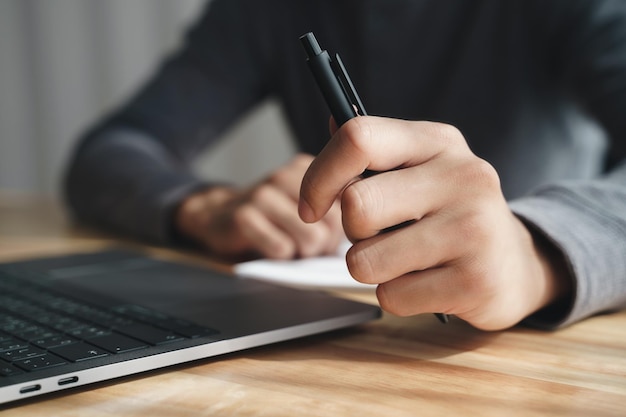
(332, 90)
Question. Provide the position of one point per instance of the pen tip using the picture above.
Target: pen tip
(442, 317)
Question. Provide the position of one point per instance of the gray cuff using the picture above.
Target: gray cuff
(592, 243)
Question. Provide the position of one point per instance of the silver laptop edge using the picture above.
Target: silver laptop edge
(149, 363)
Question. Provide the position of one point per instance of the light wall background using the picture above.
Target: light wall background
(64, 63)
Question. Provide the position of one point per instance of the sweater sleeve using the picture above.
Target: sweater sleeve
(129, 172)
(586, 220)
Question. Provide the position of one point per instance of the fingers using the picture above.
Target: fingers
(267, 217)
(460, 251)
(373, 143)
(477, 300)
(261, 220)
(429, 243)
(420, 292)
(424, 271)
(456, 182)
(262, 235)
(417, 279)
(269, 220)
(332, 220)
(391, 198)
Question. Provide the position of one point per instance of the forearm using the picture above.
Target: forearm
(123, 180)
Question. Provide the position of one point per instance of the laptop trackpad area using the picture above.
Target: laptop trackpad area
(230, 304)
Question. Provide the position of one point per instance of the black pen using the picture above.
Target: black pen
(340, 95)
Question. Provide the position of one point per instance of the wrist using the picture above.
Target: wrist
(557, 276)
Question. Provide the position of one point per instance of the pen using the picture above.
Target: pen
(340, 95)
(333, 81)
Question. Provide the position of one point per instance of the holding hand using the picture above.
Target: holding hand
(262, 220)
(465, 253)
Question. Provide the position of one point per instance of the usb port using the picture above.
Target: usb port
(30, 388)
(68, 380)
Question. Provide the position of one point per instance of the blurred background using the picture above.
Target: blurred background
(64, 63)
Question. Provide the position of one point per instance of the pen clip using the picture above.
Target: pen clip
(346, 84)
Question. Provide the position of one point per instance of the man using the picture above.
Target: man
(516, 183)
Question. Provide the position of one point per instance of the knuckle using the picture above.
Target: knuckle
(261, 193)
(281, 249)
(482, 173)
(476, 177)
(352, 205)
(242, 216)
(244, 219)
(358, 135)
(360, 266)
(313, 239)
(475, 227)
(279, 176)
(478, 279)
(447, 133)
(361, 205)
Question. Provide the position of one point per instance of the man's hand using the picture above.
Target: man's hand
(260, 221)
(464, 253)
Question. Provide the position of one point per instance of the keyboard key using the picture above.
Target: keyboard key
(150, 334)
(40, 362)
(79, 352)
(190, 330)
(140, 313)
(36, 333)
(54, 341)
(67, 324)
(8, 370)
(12, 325)
(104, 318)
(22, 353)
(11, 343)
(163, 321)
(117, 343)
(88, 332)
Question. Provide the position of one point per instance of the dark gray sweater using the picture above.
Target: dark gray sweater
(538, 88)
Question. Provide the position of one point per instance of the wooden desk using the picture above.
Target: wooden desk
(392, 367)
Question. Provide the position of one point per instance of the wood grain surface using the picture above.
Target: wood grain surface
(392, 367)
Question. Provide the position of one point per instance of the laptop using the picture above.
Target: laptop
(79, 319)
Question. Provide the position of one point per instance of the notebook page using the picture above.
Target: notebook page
(319, 272)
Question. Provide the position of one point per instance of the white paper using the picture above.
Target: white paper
(320, 272)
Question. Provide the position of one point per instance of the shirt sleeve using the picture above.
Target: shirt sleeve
(586, 220)
(587, 223)
(130, 171)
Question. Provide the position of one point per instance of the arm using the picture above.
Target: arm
(586, 220)
(553, 257)
(587, 223)
(130, 172)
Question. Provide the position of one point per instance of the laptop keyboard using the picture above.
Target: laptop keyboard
(40, 329)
